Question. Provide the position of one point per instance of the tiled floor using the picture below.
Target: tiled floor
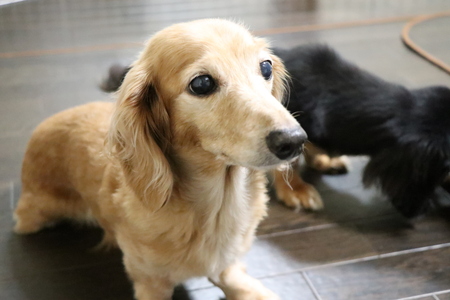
(53, 54)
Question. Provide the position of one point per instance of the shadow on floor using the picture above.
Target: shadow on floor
(60, 263)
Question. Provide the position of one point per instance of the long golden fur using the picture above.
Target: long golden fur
(181, 187)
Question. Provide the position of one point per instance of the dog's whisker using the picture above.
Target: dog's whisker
(287, 175)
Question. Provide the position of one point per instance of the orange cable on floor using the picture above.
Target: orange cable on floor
(420, 51)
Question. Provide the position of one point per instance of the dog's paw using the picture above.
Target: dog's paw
(267, 295)
(28, 223)
(260, 294)
(330, 165)
(300, 197)
(26, 228)
(238, 285)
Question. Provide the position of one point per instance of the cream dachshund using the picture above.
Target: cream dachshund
(180, 185)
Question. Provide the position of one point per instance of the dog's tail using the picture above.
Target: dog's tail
(115, 78)
(409, 176)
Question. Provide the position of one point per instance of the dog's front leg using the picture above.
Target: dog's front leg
(148, 287)
(238, 285)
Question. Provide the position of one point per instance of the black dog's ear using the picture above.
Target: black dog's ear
(408, 176)
(116, 75)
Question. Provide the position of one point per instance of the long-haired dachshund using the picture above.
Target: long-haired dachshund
(181, 186)
(346, 110)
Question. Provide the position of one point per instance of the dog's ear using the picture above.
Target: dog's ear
(139, 138)
(408, 176)
(280, 78)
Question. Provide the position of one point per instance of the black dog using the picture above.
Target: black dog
(346, 110)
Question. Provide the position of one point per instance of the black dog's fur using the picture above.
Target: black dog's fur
(346, 110)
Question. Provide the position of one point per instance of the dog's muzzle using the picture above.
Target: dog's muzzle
(286, 144)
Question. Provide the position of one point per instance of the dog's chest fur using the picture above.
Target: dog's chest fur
(208, 224)
(224, 215)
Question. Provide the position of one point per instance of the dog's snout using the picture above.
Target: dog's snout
(286, 144)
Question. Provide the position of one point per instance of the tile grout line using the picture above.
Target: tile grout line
(364, 259)
(434, 295)
(297, 230)
(441, 292)
(347, 262)
(318, 227)
(311, 286)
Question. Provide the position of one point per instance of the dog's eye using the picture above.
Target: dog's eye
(266, 69)
(202, 85)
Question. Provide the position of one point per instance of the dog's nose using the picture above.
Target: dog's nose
(286, 144)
